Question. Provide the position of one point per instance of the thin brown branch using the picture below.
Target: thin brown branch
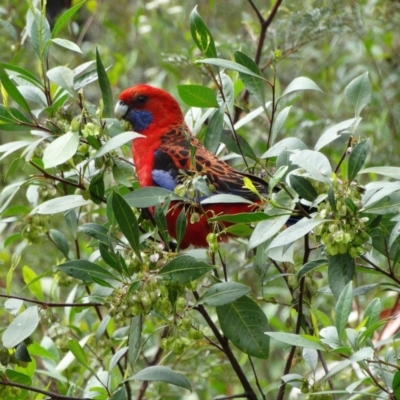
(46, 304)
(325, 367)
(50, 395)
(46, 175)
(156, 359)
(349, 143)
(264, 28)
(250, 394)
(289, 361)
(256, 377)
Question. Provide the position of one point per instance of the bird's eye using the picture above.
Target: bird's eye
(141, 99)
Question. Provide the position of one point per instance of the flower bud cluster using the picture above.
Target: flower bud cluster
(346, 231)
(35, 226)
(151, 295)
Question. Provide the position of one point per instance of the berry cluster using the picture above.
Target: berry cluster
(149, 296)
(346, 230)
(36, 225)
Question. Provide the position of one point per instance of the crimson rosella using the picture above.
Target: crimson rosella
(169, 153)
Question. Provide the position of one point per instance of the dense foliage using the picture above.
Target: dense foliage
(98, 303)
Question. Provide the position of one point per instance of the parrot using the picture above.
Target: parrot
(168, 153)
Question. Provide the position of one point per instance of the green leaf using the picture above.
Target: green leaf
(60, 204)
(116, 357)
(201, 34)
(84, 270)
(316, 164)
(33, 282)
(341, 269)
(229, 141)
(243, 322)
(223, 293)
(265, 230)
(104, 82)
(78, 352)
(372, 312)
(184, 269)
(301, 83)
(197, 96)
(12, 114)
(343, 309)
(251, 115)
(17, 377)
(65, 17)
(127, 221)
(146, 196)
(22, 73)
(61, 150)
(122, 172)
(162, 374)
(60, 241)
(11, 147)
(33, 94)
(96, 231)
(12, 90)
(359, 92)
(295, 232)
(116, 142)
(305, 341)
(63, 77)
(242, 218)
(396, 385)
(135, 339)
(39, 33)
(160, 219)
(303, 187)
(101, 329)
(386, 205)
(311, 265)
(279, 122)
(357, 159)
(21, 327)
(97, 188)
(225, 198)
(119, 394)
(10, 29)
(253, 83)
(390, 172)
(109, 257)
(213, 133)
(219, 62)
(336, 131)
(228, 91)
(283, 145)
(311, 358)
(22, 354)
(67, 44)
(181, 226)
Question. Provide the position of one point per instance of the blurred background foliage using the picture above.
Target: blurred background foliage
(329, 41)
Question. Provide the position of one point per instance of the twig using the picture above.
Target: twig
(257, 381)
(344, 154)
(46, 304)
(382, 271)
(141, 392)
(325, 367)
(289, 361)
(51, 395)
(56, 178)
(250, 394)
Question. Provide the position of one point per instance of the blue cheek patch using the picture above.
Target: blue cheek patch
(164, 179)
(139, 119)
